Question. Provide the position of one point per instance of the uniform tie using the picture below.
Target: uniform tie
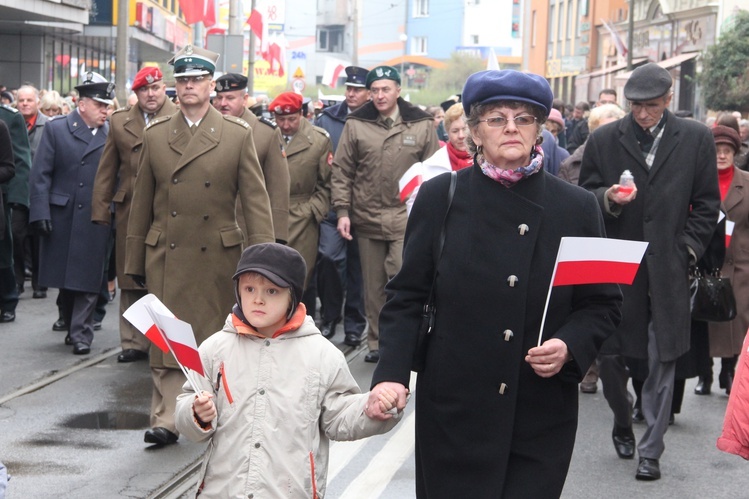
(286, 138)
(389, 122)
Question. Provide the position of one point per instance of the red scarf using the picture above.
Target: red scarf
(458, 159)
(725, 177)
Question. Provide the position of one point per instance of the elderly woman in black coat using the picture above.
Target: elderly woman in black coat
(496, 415)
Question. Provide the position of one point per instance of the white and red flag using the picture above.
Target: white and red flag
(595, 260)
(729, 231)
(138, 316)
(196, 11)
(152, 318)
(410, 181)
(256, 23)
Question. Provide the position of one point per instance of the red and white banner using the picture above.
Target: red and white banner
(256, 23)
(334, 69)
(594, 260)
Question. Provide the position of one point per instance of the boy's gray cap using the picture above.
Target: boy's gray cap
(647, 82)
(280, 264)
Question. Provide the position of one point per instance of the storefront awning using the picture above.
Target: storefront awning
(665, 63)
(612, 69)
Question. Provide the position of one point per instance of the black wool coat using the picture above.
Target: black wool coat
(676, 207)
(479, 405)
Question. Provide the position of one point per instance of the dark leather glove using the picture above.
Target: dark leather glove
(42, 227)
(140, 280)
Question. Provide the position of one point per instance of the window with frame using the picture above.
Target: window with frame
(421, 8)
(419, 45)
(330, 38)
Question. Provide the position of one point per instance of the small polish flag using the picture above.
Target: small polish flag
(729, 231)
(410, 181)
(595, 260)
(137, 314)
(180, 337)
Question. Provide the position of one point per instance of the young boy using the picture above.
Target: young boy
(275, 390)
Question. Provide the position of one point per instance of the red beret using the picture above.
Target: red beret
(286, 103)
(146, 76)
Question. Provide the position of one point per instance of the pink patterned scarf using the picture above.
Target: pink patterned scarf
(508, 178)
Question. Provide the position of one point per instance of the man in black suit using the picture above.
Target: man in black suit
(674, 207)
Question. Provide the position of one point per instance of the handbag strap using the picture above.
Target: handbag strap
(450, 194)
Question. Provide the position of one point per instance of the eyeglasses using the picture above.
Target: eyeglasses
(192, 79)
(501, 121)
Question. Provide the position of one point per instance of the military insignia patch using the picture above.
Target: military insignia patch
(409, 140)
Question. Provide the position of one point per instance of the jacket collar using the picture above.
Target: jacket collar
(190, 146)
(409, 113)
(339, 112)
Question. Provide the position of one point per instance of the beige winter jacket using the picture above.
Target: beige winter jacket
(279, 401)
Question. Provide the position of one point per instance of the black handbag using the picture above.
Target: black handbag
(712, 296)
(429, 311)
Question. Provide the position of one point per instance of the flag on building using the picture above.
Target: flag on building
(594, 260)
(616, 39)
(196, 11)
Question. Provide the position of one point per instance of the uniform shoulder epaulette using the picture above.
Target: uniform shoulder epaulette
(8, 108)
(156, 121)
(122, 110)
(321, 130)
(236, 121)
(268, 122)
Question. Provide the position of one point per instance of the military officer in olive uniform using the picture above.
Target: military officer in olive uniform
(73, 251)
(231, 100)
(114, 184)
(309, 152)
(183, 240)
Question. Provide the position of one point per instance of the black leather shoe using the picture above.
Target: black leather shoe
(624, 442)
(7, 317)
(703, 386)
(131, 355)
(59, 325)
(648, 469)
(328, 329)
(352, 340)
(373, 356)
(68, 340)
(81, 349)
(160, 436)
(637, 416)
(40, 294)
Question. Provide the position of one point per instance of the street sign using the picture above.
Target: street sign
(298, 85)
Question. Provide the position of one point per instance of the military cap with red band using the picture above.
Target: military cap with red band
(286, 103)
(146, 76)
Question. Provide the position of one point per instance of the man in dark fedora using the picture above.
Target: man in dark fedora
(338, 266)
(73, 251)
(674, 207)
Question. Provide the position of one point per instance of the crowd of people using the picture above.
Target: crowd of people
(342, 214)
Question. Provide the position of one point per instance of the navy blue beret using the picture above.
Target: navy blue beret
(507, 84)
(647, 82)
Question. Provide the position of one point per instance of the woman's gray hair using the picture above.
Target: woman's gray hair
(603, 112)
(479, 110)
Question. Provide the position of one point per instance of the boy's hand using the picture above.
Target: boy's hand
(204, 407)
(388, 392)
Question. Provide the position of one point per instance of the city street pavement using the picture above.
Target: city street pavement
(82, 434)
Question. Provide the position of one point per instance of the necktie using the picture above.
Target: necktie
(389, 122)
(286, 138)
(149, 117)
(193, 128)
